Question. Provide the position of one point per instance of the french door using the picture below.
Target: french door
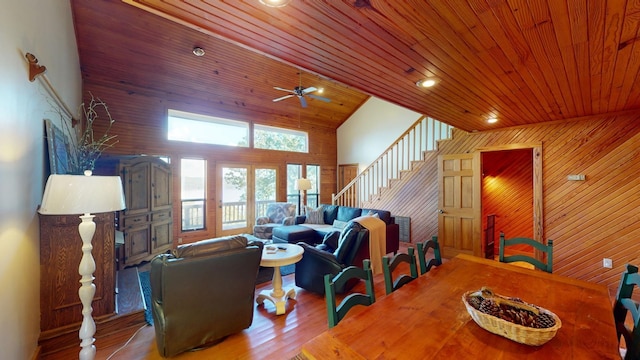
(242, 193)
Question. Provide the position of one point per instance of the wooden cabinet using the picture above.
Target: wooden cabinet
(147, 222)
(60, 254)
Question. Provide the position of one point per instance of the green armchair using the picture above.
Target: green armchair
(203, 292)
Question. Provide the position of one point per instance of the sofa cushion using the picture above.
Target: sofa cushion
(314, 216)
(339, 224)
(330, 213)
(346, 213)
(211, 246)
(384, 215)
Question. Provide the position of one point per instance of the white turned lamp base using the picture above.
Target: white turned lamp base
(88, 289)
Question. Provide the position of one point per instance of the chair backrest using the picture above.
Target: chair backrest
(423, 249)
(625, 304)
(277, 212)
(546, 249)
(389, 266)
(187, 308)
(336, 312)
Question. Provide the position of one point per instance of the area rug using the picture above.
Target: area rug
(145, 282)
(266, 273)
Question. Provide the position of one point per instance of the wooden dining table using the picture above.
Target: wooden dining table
(426, 318)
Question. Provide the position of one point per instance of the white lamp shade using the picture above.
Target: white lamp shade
(303, 184)
(81, 194)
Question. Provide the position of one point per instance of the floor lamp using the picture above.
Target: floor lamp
(84, 194)
(302, 185)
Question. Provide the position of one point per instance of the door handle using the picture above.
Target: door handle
(440, 211)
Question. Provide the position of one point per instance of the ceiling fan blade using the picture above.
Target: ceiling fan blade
(282, 98)
(308, 90)
(283, 89)
(321, 98)
(303, 101)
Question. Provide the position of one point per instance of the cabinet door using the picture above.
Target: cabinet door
(160, 187)
(60, 254)
(137, 244)
(136, 178)
(161, 236)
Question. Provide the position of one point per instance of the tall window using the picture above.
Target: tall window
(192, 193)
(265, 192)
(294, 172)
(313, 194)
(274, 138)
(184, 126)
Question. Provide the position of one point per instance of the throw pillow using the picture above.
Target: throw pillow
(374, 214)
(314, 216)
(339, 224)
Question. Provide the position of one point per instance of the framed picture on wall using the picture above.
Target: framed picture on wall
(58, 148)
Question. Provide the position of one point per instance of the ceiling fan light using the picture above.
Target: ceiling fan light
(275, 3)
(428, 82)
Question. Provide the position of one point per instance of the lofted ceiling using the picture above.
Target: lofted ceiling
(523, 62)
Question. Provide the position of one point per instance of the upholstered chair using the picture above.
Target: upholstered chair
(278, 214)
(337, 251)
(203, 292)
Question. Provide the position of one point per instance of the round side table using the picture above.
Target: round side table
(290, 255)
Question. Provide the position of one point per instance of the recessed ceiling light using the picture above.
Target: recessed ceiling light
(275, 3)
(492, 120)
(198, 51)
(428, 82)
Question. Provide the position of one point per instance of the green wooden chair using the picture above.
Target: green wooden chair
(336, 312)
(547, 249)
(389, 266)
(423, 249)
(623, 305)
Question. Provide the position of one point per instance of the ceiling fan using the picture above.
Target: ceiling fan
(300, 92)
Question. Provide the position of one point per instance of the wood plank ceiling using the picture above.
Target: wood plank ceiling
(524, 62)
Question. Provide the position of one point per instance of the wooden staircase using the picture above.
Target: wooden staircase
(396, 164)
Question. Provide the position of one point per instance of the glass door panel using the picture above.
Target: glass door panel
(265, 189)
(233, 207)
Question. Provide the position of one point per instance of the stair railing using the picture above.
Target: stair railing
(411, 146)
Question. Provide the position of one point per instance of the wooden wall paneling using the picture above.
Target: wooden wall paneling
(588, 220)
(140, 123)
(507, 191)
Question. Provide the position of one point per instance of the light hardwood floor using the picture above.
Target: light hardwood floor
(270, 336)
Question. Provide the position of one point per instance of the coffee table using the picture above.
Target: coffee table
(278, 296)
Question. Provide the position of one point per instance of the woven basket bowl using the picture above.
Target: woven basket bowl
(519, 333)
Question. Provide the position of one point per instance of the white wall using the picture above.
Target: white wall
(370, 131)
(45, 29)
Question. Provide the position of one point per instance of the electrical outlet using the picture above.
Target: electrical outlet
(607, 263)
(179, 240)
